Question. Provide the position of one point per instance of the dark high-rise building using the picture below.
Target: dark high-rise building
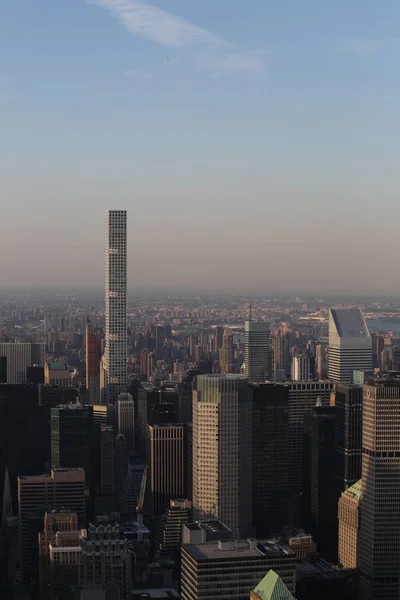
(303, 396)
(320, 499)
(63, 489)
(348, 403)
(380, 504)
(72, 439)
(157, 406)
(24, 435)
(35, 375)
(270, 458)
(93, 357)
(51, 396)
(3, 369)
(21, 355)
(166, 465)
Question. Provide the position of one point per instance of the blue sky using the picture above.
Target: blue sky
(255, 144)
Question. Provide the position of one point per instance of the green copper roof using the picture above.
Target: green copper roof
(355, 490)
(58, 366)
(272, 588)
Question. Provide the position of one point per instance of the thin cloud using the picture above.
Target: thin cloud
(366, 47)
(172, 31)
(138, 75)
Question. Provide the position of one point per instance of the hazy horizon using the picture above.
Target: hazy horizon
(255, 150)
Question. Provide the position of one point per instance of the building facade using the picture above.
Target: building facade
(301, 368)
(349, 526)
(270, 435)
(258, 352)
(167, 465)
(63, 489)
(222, 451)
(126, 419)
(19, 356)
(348, 403)
(116, 329)
(93, 358)
(350, 344)
(231, 569)
(380, 523)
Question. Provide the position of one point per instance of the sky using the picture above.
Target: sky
(255, 144)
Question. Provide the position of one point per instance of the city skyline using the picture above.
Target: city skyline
(269, 134)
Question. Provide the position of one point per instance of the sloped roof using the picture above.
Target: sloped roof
(350, 323)
(355, 490)
(272, 588)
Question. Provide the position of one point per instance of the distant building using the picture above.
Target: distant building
(258, 352)
(116, 328)
(227, 360)
(222, 451)
(271, 588)
(93, 358)
(156, 406)
(301, 368)
(349, 526)
(350, 344)
(233, 568)
(270, 436)
(57, 373)
(19, 356)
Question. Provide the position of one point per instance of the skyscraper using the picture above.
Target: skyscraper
(301, 368)
(380, 505)
(350, 344)
(167, 466)
(320, 499)
(270, 457)
(126, 419)
(348, 403)
(222, 451)
(19, 356)
(227, 353)
(116, 332)
(93, 357)
(258, 351)
(64, 489)
(349, 526)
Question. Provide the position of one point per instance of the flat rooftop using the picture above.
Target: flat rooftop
(211, 550)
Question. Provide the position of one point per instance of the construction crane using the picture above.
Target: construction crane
(139, 504)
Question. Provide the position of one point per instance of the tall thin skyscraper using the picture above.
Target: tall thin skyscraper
(380, 523)
(116, 331)
(350, 344)
(222, 451)
(258, 351)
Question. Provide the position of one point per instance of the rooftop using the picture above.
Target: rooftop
(58, 366)
(272, 588)
(354, 491)
(350, 323)
(239, 550)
